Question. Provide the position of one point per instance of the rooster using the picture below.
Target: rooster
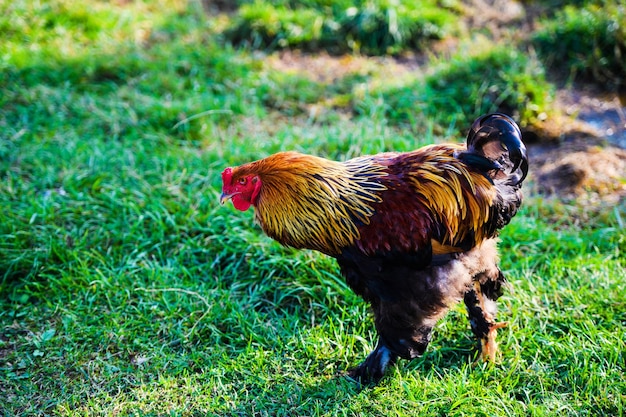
(413, 233)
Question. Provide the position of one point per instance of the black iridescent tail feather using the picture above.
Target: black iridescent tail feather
(494, 146)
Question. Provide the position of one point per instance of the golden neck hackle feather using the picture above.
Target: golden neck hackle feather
(314, 203)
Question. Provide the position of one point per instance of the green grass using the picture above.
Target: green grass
(478, 79)
(589, 40)
(370, 27)
(125, 289)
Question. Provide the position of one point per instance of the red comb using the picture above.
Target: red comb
(227, 175)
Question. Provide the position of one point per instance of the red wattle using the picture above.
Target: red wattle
(240, 203)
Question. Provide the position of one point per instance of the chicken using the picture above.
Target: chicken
(413, 233)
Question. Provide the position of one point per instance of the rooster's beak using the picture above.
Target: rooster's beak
(225, 197)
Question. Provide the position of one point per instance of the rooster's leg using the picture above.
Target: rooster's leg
(481, 307)
(394, 342)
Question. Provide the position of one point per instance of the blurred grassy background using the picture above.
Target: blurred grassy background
(126, 290)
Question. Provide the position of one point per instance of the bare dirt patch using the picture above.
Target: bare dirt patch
(584, 169)
(581, 154)
(325, 68)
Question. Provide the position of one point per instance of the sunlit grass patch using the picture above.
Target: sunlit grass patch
(374, 27)
(590, 41)
(477, 79)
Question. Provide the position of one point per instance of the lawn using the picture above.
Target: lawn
(126, 289)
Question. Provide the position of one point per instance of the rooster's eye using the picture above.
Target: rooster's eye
(242, 181)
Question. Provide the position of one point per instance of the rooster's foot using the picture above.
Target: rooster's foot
(488, 344)
(373, 368)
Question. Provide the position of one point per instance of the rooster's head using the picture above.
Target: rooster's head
(242, 189)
